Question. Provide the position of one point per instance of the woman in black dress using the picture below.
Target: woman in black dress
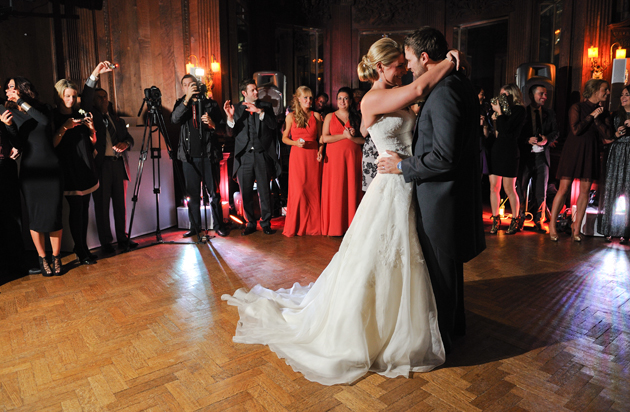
(589, 124)
(504, 154)
(41, 177)
(74, 144)
(616, 220)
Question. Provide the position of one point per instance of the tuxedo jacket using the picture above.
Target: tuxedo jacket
(122, 135)
(267, 134)
(445, 168)
(549, 130)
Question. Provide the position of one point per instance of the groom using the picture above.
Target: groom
(445, 169)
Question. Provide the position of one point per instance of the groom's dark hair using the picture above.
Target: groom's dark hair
(428, 40)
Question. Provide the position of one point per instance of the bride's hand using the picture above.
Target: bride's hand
(460, 60)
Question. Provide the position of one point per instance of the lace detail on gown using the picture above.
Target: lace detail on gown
(372, 308)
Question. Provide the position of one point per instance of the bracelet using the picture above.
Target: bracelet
(452, 60)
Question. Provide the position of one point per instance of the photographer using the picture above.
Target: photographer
(199, 152)
(74, 142)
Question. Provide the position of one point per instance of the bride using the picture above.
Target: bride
(372, 308)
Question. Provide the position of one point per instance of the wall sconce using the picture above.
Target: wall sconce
(596, 68)
(194, 69)
(619, 52)
(215, 66)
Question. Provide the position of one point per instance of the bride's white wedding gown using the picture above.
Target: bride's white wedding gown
(372, 308)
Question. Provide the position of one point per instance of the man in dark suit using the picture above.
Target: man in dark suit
(199, 153)
(539, 132)
(254, 126)
(445, 169)
(112, 165)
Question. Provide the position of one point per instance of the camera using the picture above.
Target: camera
(153, 96)
(202, 90)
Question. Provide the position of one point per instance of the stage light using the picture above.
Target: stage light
(620, 205)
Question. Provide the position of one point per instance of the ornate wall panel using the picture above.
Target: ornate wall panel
(465, 9)
(377, 13)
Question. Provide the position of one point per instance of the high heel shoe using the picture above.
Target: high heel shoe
(496, 224)
(553, 237)
(623, 240)
(45, 267)
(513, 226)
(56, 263)
(577, 237)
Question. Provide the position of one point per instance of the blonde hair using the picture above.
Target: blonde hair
(385, 51)
(515, 92)
(298, 113)
(61, 87)
(592, 86)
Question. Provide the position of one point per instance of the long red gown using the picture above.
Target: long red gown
(303, 201)
(341, 182)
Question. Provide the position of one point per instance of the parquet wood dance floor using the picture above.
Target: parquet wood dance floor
(548, 330)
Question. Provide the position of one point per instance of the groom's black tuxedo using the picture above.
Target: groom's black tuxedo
(445, 168)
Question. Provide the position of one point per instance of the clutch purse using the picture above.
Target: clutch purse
(503, 102)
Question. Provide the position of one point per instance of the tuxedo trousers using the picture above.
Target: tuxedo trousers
(112, 188)
(254, 168)
(192, 175)
(535, 168)
(447, 280)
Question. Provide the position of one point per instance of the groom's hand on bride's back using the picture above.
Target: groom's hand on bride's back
(389, 164)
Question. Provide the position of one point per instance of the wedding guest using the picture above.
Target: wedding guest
(41, 176)
(504, 156)
(589, 124)
(74, 142)
(538, 134)
(302, 131)
(368, 162)
(342, 172)
(11, 244)
(616, 220)
(320, 104)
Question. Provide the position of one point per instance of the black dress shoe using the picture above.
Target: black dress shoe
(248, 230)
(92, 256)
(87, 261)
(130, 243)
(222, 231)
(267, 230)
(190, 233)
(107, 248)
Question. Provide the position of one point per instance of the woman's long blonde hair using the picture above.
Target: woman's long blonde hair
(515, 92)
(300, 116)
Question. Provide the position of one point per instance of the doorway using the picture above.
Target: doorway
(485, 46)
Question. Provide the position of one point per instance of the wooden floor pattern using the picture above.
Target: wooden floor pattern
(548, 330)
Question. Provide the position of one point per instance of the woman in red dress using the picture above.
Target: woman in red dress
(302, 130)
(342, 170)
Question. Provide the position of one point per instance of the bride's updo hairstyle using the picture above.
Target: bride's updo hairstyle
(384, 51)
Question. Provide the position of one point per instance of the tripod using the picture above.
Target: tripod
(154, 123)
